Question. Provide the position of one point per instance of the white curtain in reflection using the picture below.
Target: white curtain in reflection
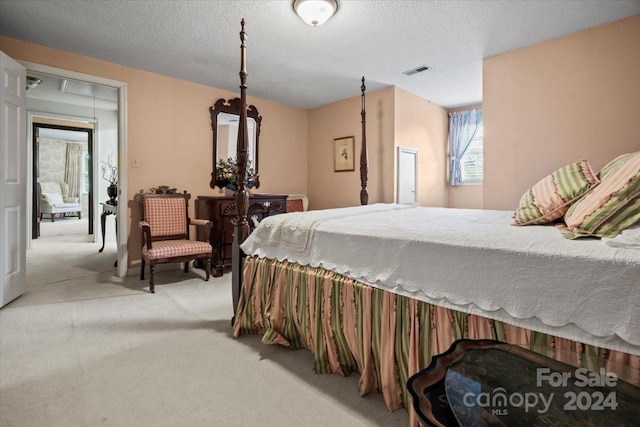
(73, 169)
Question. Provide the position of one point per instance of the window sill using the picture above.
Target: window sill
(467, 184)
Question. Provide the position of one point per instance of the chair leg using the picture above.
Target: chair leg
(186, 266)
(152, 270)
(79, 215)
(53, 217)
(142, 270)
(207, 268)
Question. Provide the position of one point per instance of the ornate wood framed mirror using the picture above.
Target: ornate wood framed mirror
(225, 118)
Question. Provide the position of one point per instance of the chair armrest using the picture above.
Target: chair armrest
(207, 224)
(204, 222)
(146, 233)
(44, 200)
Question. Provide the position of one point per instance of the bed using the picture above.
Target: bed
(404, 282)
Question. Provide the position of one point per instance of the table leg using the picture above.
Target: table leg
(115, 264)
(103, 218)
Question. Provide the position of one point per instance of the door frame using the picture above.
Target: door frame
(122, 225)
(34, 125)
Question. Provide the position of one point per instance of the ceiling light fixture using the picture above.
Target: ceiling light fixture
(315, 12)
(32, 82)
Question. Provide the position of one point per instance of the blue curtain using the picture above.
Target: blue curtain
(463, 126)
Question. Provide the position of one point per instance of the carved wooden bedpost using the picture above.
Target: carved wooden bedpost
(242, 196)
(241, 229)
(364, 196)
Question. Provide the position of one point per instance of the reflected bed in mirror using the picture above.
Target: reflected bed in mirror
(225, 117)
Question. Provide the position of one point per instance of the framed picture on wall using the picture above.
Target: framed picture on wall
(343, 160)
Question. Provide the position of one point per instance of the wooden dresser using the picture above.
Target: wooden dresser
(222, 212)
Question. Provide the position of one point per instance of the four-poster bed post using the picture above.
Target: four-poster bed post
(242, 197)
(364, 196)
(241, 227)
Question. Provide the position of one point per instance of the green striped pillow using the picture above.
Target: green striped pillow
(550, 198)
(612, 206)
(614, 164)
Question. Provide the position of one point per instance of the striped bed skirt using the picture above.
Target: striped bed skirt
(384, 337)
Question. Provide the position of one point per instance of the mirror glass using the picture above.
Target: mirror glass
(225, 119)
(227, 138)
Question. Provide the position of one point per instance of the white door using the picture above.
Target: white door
(13, 177)
(407, 174)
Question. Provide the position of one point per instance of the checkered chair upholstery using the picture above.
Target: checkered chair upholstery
(165, 233)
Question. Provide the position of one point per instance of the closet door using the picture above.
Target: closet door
(407, 176)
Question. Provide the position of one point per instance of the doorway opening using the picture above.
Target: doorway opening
(76, 98)
(62, 165)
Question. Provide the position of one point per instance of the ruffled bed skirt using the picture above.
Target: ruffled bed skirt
(386, 338)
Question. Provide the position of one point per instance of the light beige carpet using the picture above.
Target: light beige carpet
(84, 348)
(64, 226)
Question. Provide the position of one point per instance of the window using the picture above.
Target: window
(471, 164)
(465, 147)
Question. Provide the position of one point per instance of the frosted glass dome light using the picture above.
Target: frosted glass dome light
(315, 12)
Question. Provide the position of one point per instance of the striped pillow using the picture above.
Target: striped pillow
(550, 197)
(614, 164)
(611, 207)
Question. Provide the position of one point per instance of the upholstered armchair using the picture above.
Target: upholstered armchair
(54, 200)
(165, 233)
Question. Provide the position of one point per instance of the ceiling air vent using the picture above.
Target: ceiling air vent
(416, 70)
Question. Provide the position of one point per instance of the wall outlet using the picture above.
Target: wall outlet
(135, 162)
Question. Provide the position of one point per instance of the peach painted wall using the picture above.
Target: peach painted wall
(466, 197)
(556, 102)
(463, 196)
(423, 126)
(169, 129)
(329, 189)
(395, 118)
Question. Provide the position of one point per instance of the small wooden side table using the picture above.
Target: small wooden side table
(107, 209)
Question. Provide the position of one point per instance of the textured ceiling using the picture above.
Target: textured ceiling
(296, 64)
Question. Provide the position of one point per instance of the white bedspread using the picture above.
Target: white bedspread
(473, 261)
